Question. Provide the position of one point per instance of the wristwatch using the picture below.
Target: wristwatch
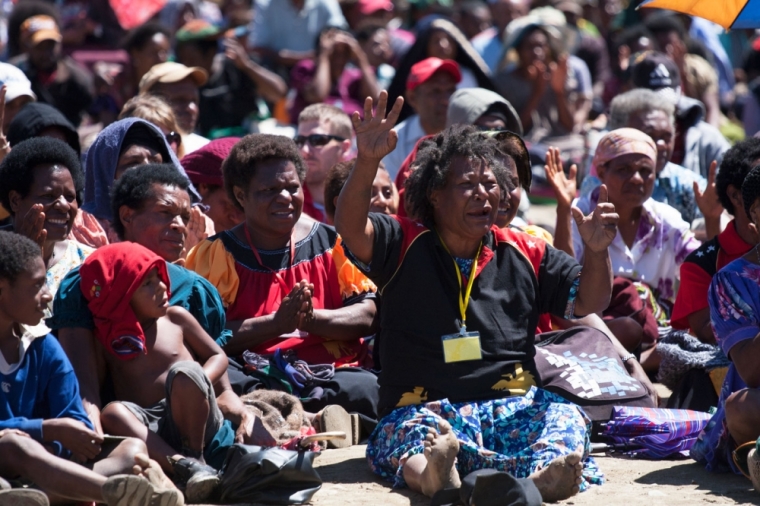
(628, 357)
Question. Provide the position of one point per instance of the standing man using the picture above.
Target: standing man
(429, 87)
(56, 80)
(324, 139)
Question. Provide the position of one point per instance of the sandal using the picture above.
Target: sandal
(753, 464)
(336, 419)
(23, 497)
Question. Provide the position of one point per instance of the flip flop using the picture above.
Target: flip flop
(336, 419)
(23, 497)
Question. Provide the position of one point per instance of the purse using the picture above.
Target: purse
(582, 366)
(254, 474)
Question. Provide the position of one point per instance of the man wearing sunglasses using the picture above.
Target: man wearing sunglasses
(324, 139)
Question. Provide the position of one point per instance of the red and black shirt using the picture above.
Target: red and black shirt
(698, 269)
(518, 278)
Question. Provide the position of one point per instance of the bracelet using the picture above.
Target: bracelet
(628, 357)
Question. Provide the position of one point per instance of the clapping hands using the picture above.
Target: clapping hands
(296, 311)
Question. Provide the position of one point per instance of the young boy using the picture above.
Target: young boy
(165, 397)
(43, 426)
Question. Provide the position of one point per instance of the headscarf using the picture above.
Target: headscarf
(623, 141)
(204, 165)
(109, 278)
(103, 157)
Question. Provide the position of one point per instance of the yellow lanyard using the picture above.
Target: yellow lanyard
(464, 301)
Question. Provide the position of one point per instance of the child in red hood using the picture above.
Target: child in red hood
(166, 398)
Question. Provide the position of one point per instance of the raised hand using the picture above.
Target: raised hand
(707, 201)
(235, 52)
(599, 228)
(32, 225)
(375, 136)
(559, 74)
(565, 187)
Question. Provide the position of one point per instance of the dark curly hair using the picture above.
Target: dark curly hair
(433, 163)
(751, 189)
(136, 185)
(17, 169)
(736, 164)
(139, 37)
(336, 179)
(16, 251)
(239, 168)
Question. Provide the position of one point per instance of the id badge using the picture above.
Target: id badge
(461, 347)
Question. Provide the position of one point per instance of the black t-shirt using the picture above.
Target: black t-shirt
(226, 100)
(518, 278)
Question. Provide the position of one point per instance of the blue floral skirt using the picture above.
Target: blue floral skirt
(519, 435)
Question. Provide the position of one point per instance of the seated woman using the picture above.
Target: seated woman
(120, 146)
(152, 206)
(652, 239)
(156, 110)
(441, 39)
(544, 85)
(328, 78)
(42, 181)
(204, 168)
(735, 315)
(458, 383)
(384, 193)
(285, 282)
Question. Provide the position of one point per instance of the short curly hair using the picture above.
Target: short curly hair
(17, 169)
(239, 168)
(136, 185)
(751, 189)
(736, 164)
(16, 252)
(432, 166)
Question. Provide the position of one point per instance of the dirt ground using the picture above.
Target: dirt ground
(348, 481)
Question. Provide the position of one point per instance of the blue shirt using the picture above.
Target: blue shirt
(188, 290)
(278, 25)
(41, 386)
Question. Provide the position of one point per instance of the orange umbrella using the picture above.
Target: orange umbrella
(737, 14)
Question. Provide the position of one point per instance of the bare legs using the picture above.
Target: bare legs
(64, 480)
(434, 470)
(743, 415)
(190, 410)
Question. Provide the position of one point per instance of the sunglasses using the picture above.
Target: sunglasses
(173, 138)
(316, 140)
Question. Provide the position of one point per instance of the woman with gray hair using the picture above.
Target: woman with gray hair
(686, 191)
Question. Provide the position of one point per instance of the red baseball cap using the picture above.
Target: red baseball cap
(367, 7)
(424, 70)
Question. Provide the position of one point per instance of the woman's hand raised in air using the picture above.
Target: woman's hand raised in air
(375, 136)
(599, 228)
(565, 187)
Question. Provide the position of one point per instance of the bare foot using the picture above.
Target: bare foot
(150, 470)
(560, 479)
(441, 450)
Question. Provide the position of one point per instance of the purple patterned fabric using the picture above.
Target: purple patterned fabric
(660, 432)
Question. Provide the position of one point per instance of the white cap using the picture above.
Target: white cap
(15, 81)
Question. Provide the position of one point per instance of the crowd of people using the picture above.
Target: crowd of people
(326, 203)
